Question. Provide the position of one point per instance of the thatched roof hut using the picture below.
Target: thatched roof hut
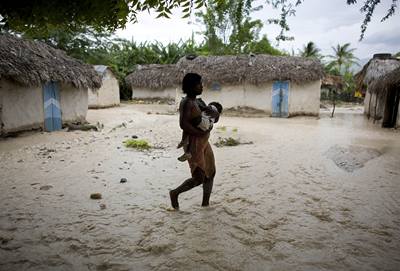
(33, 63)
(379, 78)
(254, 69)
(378, 66)
(332, 81)
(154, 76)
(108, 94)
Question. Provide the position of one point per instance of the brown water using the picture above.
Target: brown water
(309, 194)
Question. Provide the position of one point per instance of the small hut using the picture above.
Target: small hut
(282, 86)
(154, 81)
(108, 94)
(41, 87)
(329, 84)
(369, 80)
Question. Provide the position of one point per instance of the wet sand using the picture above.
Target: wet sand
(308, 194)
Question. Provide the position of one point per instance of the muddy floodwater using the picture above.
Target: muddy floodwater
(307, 194)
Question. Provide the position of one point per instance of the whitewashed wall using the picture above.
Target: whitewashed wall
(259, 97)
(304, 98)
(168, 93)
(107, 95)
(22, 107)
(74, 103)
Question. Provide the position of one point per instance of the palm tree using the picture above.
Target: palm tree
(343, 56)
(310, 50)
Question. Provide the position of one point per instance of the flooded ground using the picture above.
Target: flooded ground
(308, 194)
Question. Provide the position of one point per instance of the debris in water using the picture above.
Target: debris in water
(222, 142)
(46, 187)
(95, 196)
(123, 180)
(81, 127)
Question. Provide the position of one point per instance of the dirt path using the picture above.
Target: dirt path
(309, 194)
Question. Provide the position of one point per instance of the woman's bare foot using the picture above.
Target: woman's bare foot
(174, 199)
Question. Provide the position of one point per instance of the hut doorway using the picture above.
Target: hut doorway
(391, 107)
(52, 110)
(280, 99)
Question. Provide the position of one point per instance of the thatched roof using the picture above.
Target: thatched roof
(332, 81)
(390, 79)
(254, 69)
(380, 67)
(32, 63)
(154, 76)
(228, 70)
(374, 70)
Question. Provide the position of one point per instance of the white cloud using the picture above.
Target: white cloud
(163, 30)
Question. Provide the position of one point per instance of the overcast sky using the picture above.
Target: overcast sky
(326, 23)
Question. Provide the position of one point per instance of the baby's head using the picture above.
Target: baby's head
(217, 105)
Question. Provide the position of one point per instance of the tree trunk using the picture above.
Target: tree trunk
(333, 102)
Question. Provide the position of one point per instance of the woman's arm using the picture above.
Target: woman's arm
(184, 120)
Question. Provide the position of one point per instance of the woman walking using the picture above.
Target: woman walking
(201, 162)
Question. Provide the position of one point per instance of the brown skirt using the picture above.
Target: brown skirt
(202, 156)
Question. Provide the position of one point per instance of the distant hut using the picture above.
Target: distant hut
(108, 94)
(377, 96)
(331, 83)
(154, 81)
(280, 86)
(41, 87)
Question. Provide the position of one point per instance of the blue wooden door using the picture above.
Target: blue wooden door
(52, 110)
(280, 99)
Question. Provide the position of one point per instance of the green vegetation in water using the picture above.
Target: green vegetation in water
(227, 142)
(235, 130)
(138, 144)
(222, 128)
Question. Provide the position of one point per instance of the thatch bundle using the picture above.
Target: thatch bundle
(154, 76)
(390, 79)
(254, 69)
(373, 70)
(380, 67)
(33, 63)
(266, 68)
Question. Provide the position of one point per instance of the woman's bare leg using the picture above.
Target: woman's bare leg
(207, 188)
(198, 178)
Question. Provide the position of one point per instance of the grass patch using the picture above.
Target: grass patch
(235, 130)
(227, 142)
(138, 144)
(222, 128)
